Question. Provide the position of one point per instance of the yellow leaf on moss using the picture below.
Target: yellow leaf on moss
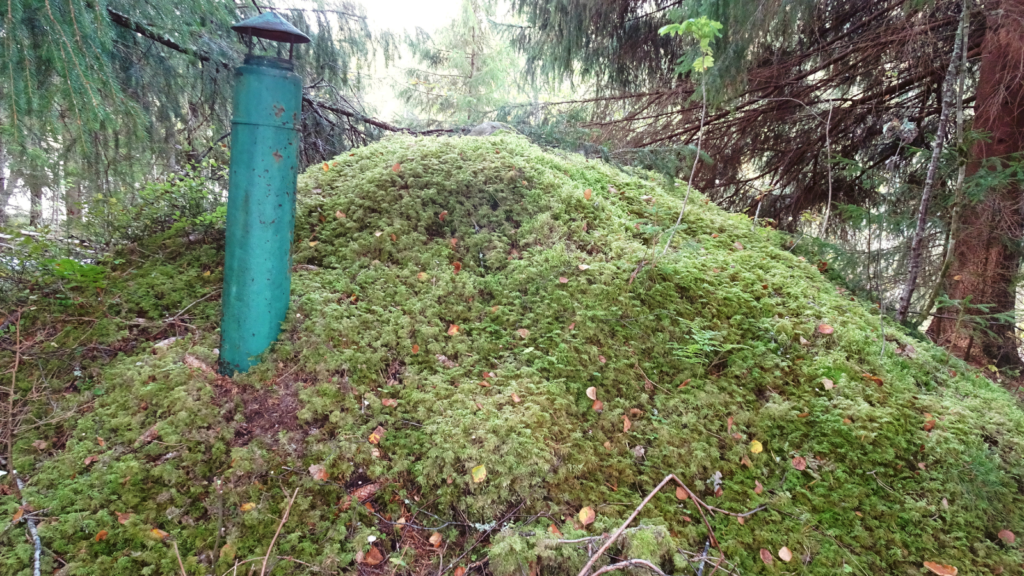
(247, 507)
(377, 435)
(479, 473)
(756, 447)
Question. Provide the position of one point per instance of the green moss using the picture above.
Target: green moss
(550, 298)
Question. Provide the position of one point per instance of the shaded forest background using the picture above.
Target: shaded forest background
(823, 119)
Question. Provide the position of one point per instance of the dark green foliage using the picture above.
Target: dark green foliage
(109, 93)
(726, 313)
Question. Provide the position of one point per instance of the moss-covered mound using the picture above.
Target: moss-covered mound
(455, 302)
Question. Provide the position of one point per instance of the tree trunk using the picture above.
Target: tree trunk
(35, 210)
(949, 85)
(73, 202)
(986, 260)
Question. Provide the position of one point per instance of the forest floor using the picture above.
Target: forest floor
(489, 367)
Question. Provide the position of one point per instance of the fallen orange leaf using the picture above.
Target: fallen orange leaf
(453, 329)
(318, 472)
(766, 557)
(941, 569)
(373, 557)
(800, 463)
(874, 379)
(587, 515)
(396, 167)
(758, 488)
(554, 530)
(825, 329)
(415, 348)
(587, 193)
(626, 424)
(101, 535)
(442, 215)
(681, 493)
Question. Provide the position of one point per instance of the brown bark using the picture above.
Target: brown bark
(986, 259)
(73, 202)
(35, 211)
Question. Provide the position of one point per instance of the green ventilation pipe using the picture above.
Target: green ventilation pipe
(261, 201)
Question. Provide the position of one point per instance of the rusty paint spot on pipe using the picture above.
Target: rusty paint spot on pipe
(277, 156)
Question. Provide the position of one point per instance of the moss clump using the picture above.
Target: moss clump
(463, 295)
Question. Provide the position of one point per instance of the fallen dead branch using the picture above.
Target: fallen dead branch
(284, 518)
(700, 508)
(31, 522)
(480, 539)
(178, 554)
(630, 564)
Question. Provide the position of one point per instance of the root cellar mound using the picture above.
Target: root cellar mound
(485, 339)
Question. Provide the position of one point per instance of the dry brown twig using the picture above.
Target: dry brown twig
(284, 518)
(618, 532)
(629, 564)
(178, 554)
